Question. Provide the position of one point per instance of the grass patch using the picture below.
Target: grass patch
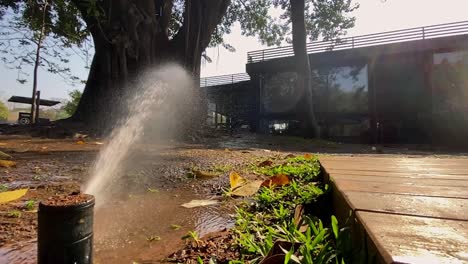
(273, 216)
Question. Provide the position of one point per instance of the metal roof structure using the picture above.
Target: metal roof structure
(28, 100)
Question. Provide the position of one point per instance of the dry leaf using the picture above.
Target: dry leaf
(7, 163)
(204, 174)
(265, 163)
(3, 155)
(22, 150)
(198, 203)
(235, 180)
(248, 189)
(308, 156)
(80, 142)
(9, 196)
(298, 212)
(277, 180)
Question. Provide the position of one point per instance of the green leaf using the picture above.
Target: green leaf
(335, 228)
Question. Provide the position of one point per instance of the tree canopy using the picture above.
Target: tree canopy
(130, 35)
(3, 111)
(67, 33)
(71, 105)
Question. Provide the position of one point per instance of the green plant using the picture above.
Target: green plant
(29, 205)
(72, 104)
(271, 217)
(3, 188)
(14, 214)
(3, 111)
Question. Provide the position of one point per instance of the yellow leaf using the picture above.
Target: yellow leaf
(80, 142)
(6, 197)
(236, 180)
(248, 189)
(7, 163)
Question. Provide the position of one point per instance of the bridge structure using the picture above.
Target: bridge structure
(403, 86)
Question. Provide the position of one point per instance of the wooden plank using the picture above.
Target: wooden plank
(450, 170)
(408, 239)
(399, 174)
(423, 190)
(401, 180)
(448, 208)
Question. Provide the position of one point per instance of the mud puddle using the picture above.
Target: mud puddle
(141, 228)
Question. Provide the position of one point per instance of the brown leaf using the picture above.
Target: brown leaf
(308, 156)
(277, 180)
(265, 163)
(298, 211)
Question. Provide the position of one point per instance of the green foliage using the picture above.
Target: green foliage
(72, 104)
(3, 188)
(30, 205)
(65, 34)
(14, 214)
(300, 168)
(324, 19)
(3, 111)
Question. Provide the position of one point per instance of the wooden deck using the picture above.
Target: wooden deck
(407, 210)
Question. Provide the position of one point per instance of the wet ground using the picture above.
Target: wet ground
(143, 220)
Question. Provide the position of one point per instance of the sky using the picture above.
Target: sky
(373, 16)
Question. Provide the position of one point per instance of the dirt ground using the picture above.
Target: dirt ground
(144, 220)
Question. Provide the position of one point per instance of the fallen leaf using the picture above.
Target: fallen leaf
(265, 163)
(198, 203)
(98, 143)
(3, 155)
(7, 163)
(277, 180)
(308, 156)
(80, 142)
(9, 196)
(248, 189)
(204, 174)
(22, 150)
(235, 180)
(153, 238)
(175, 227)
(298, 212)
(152, 190)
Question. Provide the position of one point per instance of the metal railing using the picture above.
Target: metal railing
(224, 79)
(403, 35)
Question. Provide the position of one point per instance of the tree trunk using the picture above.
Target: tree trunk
(131, 39)
(302, 64)
(37, 62)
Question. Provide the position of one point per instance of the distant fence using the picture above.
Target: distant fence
(420, 33)
(224, 79)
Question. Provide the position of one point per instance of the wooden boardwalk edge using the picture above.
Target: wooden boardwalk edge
(402, 219)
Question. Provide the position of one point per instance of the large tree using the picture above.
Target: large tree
(131, 35)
